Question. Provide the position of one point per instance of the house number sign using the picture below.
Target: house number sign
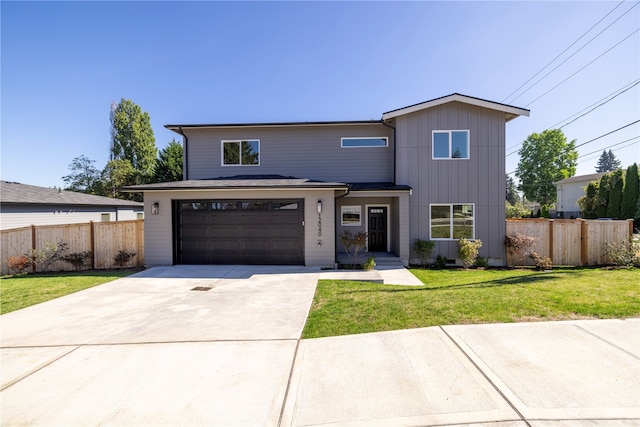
(319, 225)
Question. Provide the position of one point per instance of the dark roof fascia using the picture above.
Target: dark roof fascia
(176, 128)
(377, 187)
(208, 187)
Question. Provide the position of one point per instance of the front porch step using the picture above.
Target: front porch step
(382, 258)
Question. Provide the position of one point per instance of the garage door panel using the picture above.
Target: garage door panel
(258, 232)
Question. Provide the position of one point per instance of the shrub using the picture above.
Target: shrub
(369, 263)
(43, 258)
(468, 251)
(423, 248)
(625, 254)
(18, 263)
(542, 262)
(354, 244)
(481, 262)
(440, 262)
(123, 257)
(77, 259)
(519, 245)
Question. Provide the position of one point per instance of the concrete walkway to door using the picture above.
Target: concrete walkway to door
(219, 346)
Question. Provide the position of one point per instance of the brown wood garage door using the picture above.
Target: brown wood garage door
(240, 232)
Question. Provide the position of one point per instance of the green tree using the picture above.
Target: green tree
(132, 140)
(512, 193)
(544, 159)
(118, 173)
(603, 196)
(169, 165)
(607, 162)
(631, 192)
(589, 202)
(616, 184)
(84, 176)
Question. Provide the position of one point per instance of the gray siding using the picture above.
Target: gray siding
(300, 151)
(479, 180)
(16, 216)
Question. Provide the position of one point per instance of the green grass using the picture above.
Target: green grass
(474, 296)
(22, 291)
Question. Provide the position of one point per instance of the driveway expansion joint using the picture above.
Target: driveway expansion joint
(522, 418)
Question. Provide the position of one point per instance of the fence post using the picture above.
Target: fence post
(92, 243)
(630, 221)
(551, 239)
(584, 255)
(33, 245)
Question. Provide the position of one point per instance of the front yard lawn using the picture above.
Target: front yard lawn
(22, 291)
(473, 296)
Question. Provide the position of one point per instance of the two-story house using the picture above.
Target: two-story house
(282, 193)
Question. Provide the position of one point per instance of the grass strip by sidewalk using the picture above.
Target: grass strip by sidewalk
(22, 291)
(473, 296)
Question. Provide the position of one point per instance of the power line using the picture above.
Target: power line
(608, 133)
(574, 53)
(611, 97)
(611, 146)
(561, 53)
(594, 60)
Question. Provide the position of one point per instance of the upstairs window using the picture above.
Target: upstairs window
(364, 142)
(450, 144)
(241, 153)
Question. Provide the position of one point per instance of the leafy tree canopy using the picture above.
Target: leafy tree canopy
(512, 192)
(545, 158)
(132, 139)
(84, 176)
(169, 165)
(607, 162)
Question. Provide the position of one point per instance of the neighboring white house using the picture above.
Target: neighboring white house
(569, 191)
(24, 205)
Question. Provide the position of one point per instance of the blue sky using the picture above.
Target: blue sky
(63, 63)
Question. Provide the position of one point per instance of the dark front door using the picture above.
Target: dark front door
(377, 229)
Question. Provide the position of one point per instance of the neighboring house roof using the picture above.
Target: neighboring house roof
(581, 178)
(23, 194)
(238, 182)
(512, 112)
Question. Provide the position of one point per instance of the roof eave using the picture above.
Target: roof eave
(177, 127)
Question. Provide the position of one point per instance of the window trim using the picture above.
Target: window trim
(386, 140)
(354, 208)
(450, 132)
(451, 205)
(223, 141)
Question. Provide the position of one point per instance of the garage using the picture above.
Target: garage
(239, 231)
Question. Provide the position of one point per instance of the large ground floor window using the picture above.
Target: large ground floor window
(452, 221)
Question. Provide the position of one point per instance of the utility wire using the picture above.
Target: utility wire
(561, 53)
(594, 60)
(574, 53)
(611, 97)
(611, 146)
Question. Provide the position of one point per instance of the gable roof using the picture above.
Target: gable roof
(512, 112)
(581, 178)
(16, 193)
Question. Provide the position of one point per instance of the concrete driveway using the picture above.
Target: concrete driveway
(148, 350)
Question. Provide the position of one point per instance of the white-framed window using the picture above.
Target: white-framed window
(373, 141)
(450, 144)
(452, 221)
(351, 215)
(244, 152)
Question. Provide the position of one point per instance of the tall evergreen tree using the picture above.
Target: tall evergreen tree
(603, 196)
(589, 202)
(607, 162)
(132, 140)
(512, 193)
(615, 196)
(170, 162)
(631, 192)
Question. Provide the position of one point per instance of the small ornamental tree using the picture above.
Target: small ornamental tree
(519, 245)
(354, 244)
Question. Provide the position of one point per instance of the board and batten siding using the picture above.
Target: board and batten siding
(479, 180)
(318, 250)
(300, 151)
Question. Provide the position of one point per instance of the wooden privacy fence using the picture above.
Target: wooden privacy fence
(104, 239)
(575, 242)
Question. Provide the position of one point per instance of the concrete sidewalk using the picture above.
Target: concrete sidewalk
(148, 350)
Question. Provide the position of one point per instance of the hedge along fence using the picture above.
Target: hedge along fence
(575, 242)
(104, 239)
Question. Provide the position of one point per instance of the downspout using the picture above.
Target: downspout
(394, 150)
(185, 163)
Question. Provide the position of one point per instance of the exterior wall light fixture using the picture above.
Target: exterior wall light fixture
(155, 208)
